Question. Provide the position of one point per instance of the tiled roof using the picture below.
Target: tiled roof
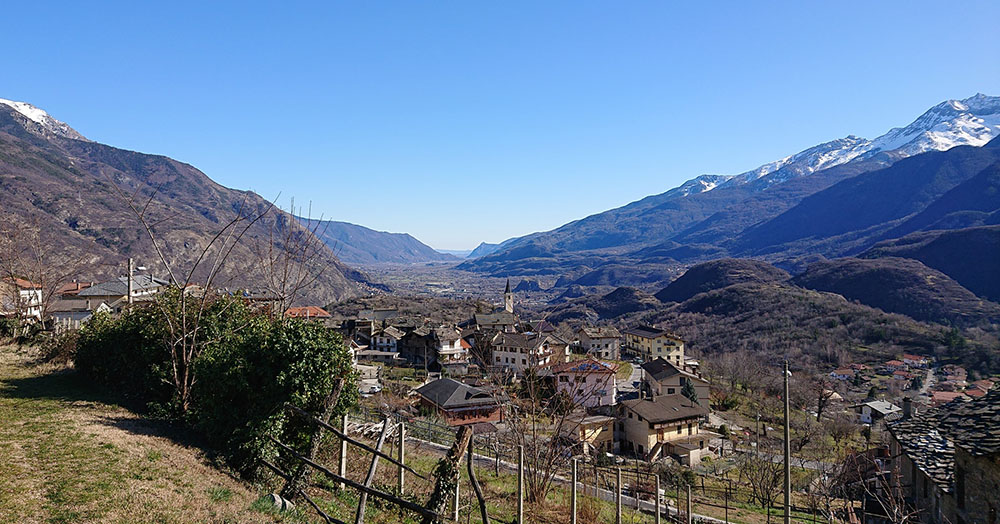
(661, 368)
(666, 408)
(650, 332)
(600, 332)
(307, 312)
(449, 393)
(119, 286)
(587, 365)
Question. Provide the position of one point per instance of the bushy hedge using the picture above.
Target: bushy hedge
(249, 366)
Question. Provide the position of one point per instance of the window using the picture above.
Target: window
(670, 391)
(629, 414)
(689, 428)
(678, 430)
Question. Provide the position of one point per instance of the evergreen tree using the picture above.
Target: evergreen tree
(688, 390)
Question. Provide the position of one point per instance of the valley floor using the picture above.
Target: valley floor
(69, 455)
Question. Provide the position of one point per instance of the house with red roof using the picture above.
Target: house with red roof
(307, 313)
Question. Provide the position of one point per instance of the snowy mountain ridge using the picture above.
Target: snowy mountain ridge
(972, 121)
(42, 121)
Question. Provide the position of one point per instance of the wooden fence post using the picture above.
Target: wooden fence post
(618, 498)
(363, 498)
(520, 485)
(342, 467)
(689, 504)
(656, 496)
(572, 497)
(402, 456)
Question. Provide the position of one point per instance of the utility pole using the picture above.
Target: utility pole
(131, 269)
(788, 454)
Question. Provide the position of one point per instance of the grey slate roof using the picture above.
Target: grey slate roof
(930, 438)
(448, 393)
(660, 369)
(601, 332)
(665, 409)
(650, 332)
(500, 317)
(119, 286)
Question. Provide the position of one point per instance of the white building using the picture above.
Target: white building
(520, 351)
(588, 382)
(600, 342)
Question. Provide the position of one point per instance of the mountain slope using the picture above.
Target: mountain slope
(66, 187)
(970, 256)
(852, 214)
(356, 244)
(900, 285)
(718, 274)
(712, 209)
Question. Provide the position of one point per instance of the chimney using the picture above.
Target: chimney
(907, 407)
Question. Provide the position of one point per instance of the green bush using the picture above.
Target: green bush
(247, 366)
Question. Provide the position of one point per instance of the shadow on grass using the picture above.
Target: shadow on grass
(69, 387)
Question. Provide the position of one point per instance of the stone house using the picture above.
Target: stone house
(949, 461)
(114, 293)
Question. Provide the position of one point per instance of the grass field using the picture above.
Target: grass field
(69, 454)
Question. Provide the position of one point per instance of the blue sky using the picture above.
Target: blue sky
(462, 122)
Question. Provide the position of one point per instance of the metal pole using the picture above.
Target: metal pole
(402, 456)
(788, 453)
(656, 497)
(342, 469)
(572, 497)
(618, 498)
(131, 269)
(458, 477)
(520, 485)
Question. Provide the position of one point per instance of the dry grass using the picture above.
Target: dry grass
(69, 454)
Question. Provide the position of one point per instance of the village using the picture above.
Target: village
(633, 397)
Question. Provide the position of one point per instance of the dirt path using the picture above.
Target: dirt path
(69, 455)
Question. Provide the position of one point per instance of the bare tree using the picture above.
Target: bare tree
(31, 269)
(764, 474)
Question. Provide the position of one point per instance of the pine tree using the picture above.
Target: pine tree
(688, 390)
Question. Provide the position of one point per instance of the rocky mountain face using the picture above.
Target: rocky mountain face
(712, 216)
(77, 192)
(356, 244)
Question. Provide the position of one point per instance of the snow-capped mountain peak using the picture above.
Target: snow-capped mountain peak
(40, 121)
(972, 121)
(806, 162)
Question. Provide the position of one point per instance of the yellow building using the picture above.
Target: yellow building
(649, 342)
(595, 433)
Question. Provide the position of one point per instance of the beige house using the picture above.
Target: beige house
(650, 342)
(594, 433)
(661, 377)
(520, 351)
(664, 426)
